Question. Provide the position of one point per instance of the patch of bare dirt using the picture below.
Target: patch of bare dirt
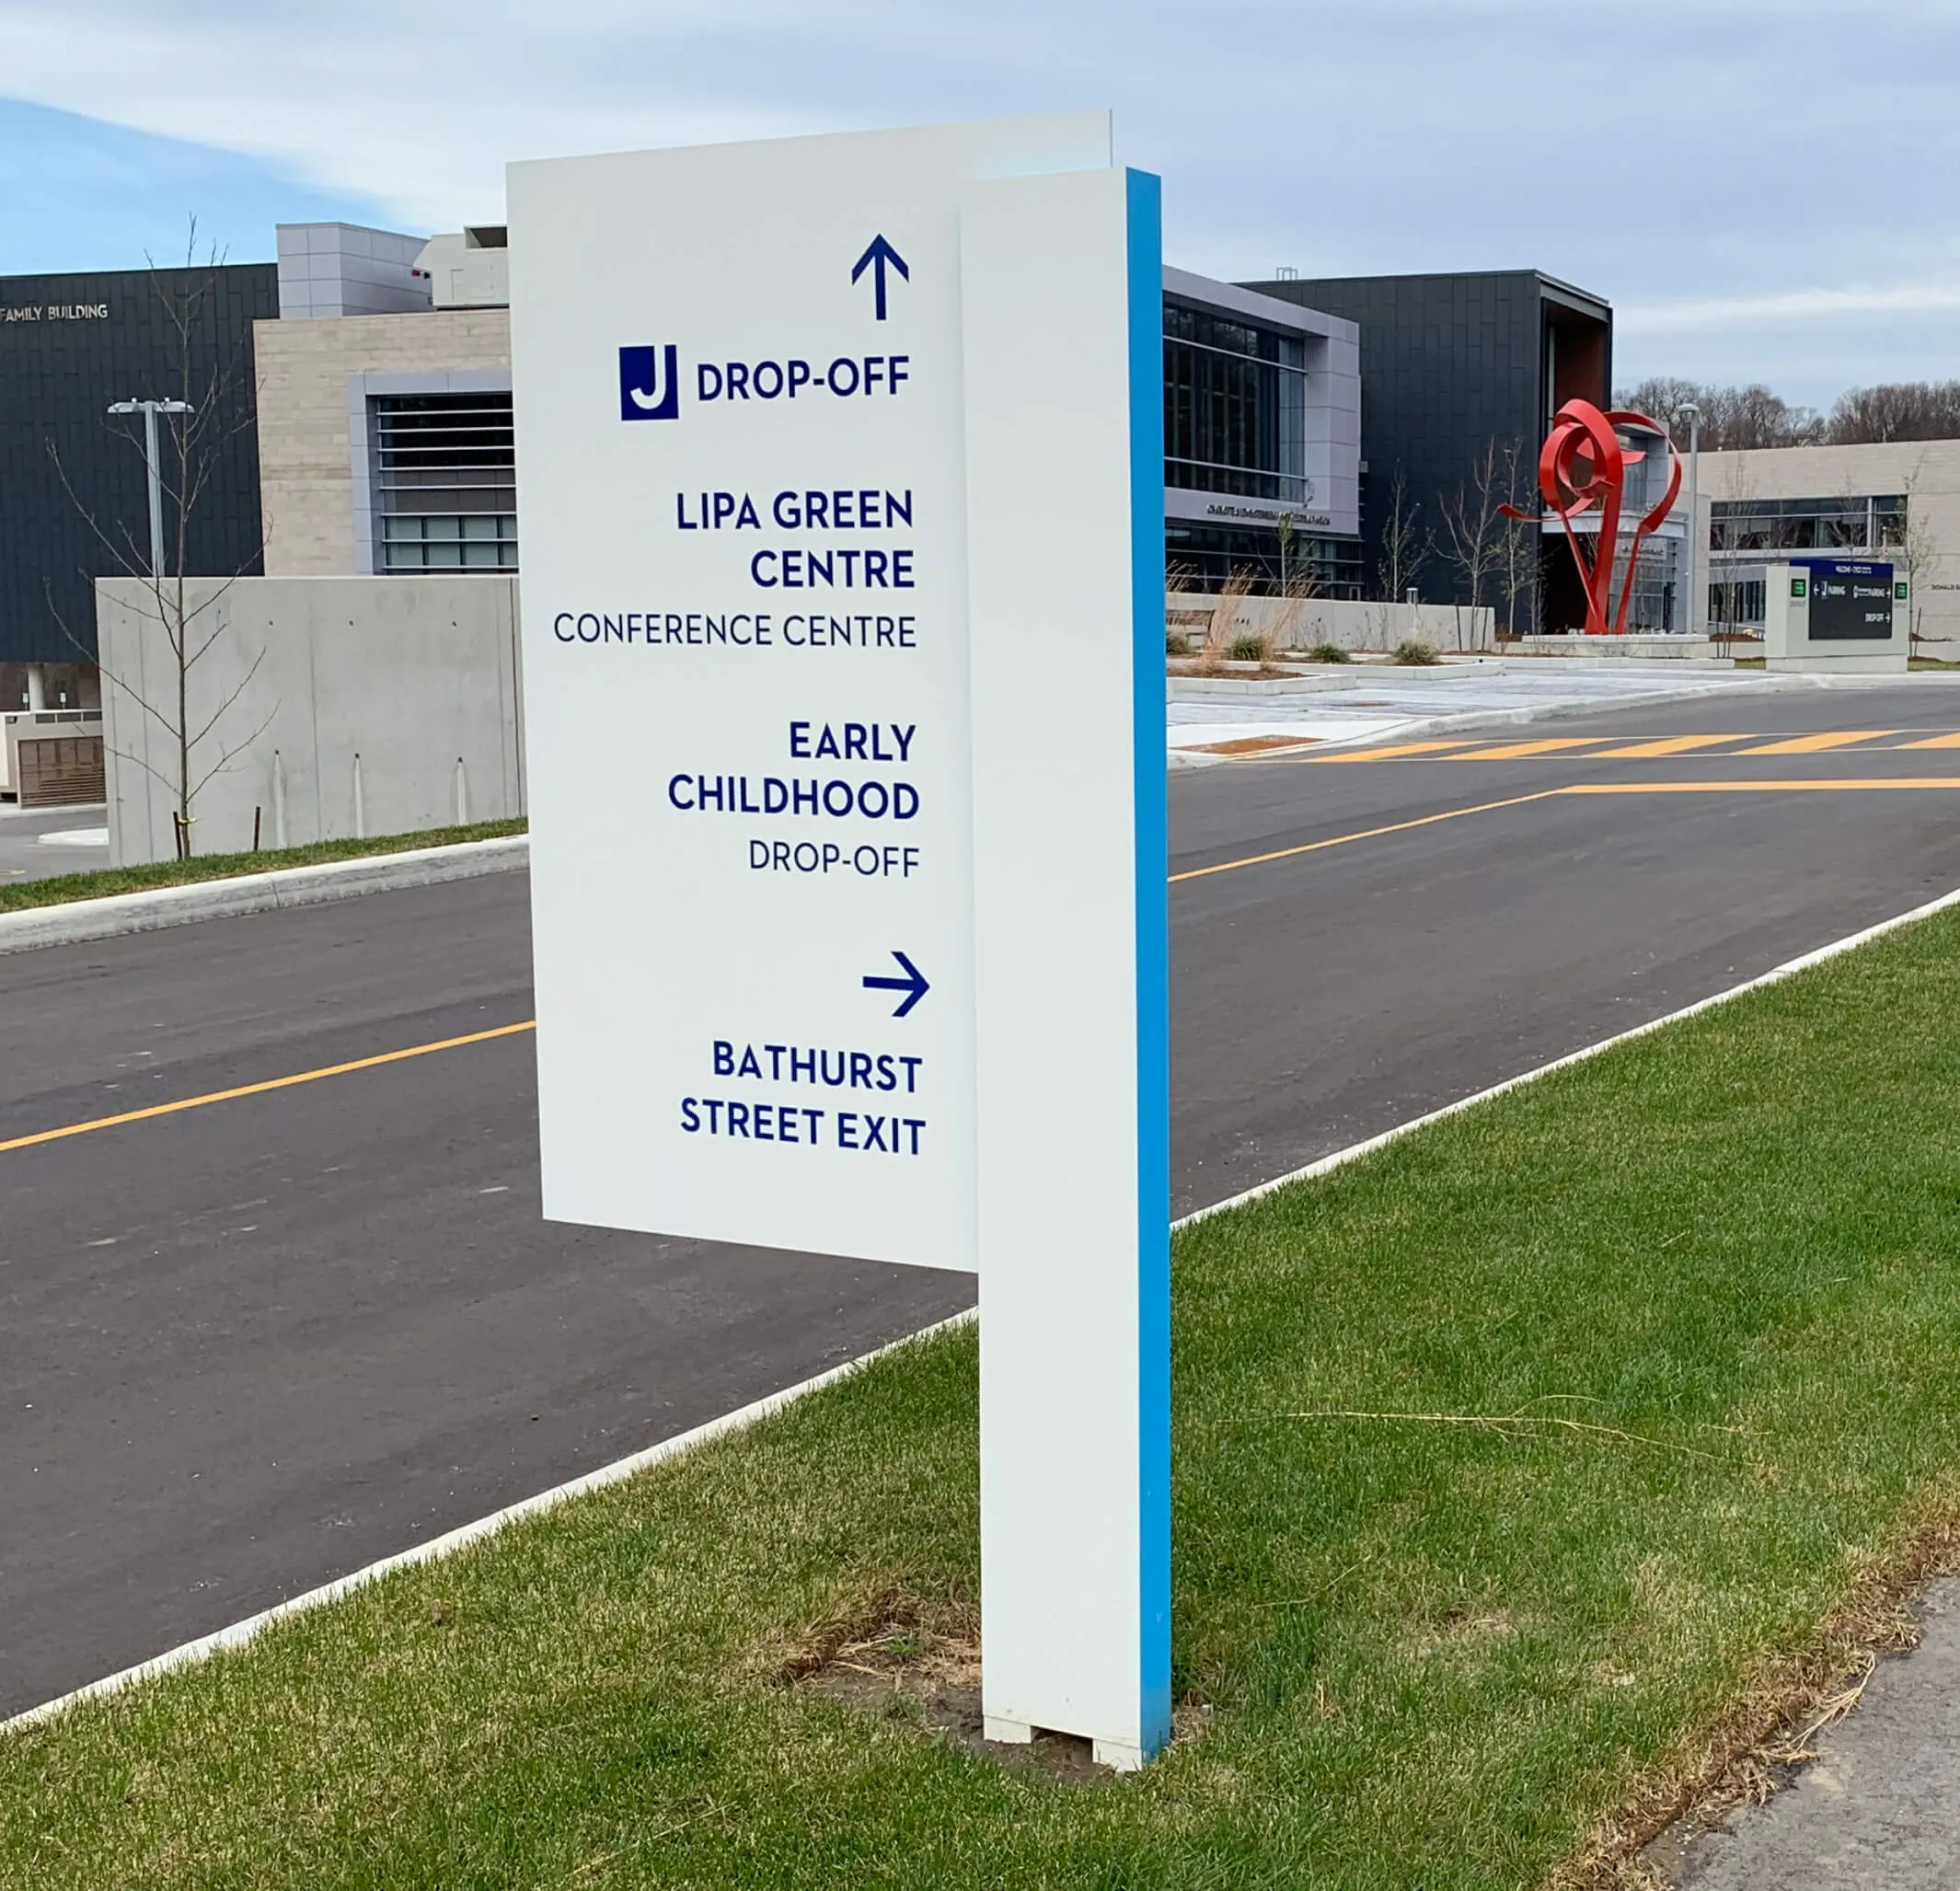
(896, 1660)
(1252, 744)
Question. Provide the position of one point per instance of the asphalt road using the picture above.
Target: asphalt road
(251, 1346)
(25, 855)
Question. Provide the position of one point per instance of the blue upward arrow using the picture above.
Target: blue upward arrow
(874, 258)
(913, 984)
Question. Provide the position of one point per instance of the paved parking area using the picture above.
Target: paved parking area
(39, 843)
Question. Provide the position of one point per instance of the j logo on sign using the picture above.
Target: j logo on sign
(650, 383)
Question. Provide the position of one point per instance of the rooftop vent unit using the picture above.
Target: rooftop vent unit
(469, 268)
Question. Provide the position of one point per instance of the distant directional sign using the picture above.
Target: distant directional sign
(876, 258)
(913, 984)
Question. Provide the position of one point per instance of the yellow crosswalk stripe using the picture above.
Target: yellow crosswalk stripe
(1934, 742)
(1816, 744)
(1514, 750)
(1670, 746)
(1905, 783)
(1385, 754)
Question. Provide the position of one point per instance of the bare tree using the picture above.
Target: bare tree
(1473, 532)
(205, 417)
(1405, 546)
(1517, 544)
(1732, 418)
(1754, 416)
(1301, 581)
(1739, 485)
(1664, 398)
(1896, 411)
(1921, 545)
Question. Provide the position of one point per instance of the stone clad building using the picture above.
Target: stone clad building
(1897, 500)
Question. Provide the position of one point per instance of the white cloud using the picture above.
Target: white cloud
(1778, 306)
(1696, 142)
(417, 107)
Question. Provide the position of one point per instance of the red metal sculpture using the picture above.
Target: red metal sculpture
(1583, 465)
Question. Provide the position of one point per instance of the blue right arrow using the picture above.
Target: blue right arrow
(913, 984)
(875, 258)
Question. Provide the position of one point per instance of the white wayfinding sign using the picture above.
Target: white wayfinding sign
(841, 471)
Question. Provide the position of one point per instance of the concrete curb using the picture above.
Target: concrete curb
(76, 922)
(1804, 962)
(450, 1541)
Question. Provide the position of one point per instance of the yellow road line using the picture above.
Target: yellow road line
(1384, 754)
(1822, 786)
(1932, 742)
(1314, 847)
(254, 1090)
(1667, 746)
(1816, 744)
(1516, 751)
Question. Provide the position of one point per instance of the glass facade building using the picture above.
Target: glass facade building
(1235, 408)
(1261, 443)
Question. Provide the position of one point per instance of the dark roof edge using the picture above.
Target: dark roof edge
(141, 269)
(1565, 290)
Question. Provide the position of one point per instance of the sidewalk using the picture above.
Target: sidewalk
(1383, 703)
(1879, 1807)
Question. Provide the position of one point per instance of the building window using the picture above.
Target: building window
(449, 542)
(1871, 522)
(444, 482)
(1235, 408)
(1200, 557)
(1738, 603)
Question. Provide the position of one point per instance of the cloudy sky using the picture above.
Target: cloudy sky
(1764, 190)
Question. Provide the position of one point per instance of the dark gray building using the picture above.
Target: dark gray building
(1453, 366)
(72, 478)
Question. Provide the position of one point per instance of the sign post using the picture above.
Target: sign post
(841, 481)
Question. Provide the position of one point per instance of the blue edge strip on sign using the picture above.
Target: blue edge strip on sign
(1145, 201)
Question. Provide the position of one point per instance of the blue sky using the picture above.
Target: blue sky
(1762, 187)
(80, 194)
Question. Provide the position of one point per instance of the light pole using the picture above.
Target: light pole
(1693, 412)
(149, 409)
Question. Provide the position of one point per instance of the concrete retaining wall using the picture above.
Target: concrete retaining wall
(1301, 623)
(362, 706)
(1673, 649)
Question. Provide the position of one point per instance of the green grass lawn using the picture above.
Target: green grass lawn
(19, 895)
(1705, 1289)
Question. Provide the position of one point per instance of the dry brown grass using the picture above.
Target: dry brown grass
(883, 1616)
(1781, 1711)
(1219, 634)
